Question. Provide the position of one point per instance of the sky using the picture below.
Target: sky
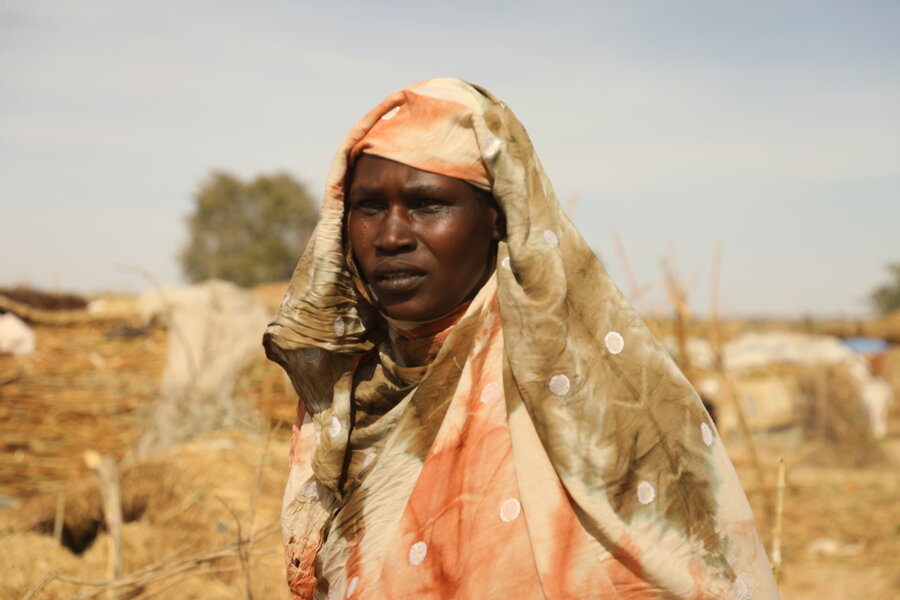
(768, 128)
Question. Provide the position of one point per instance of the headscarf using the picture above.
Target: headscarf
(547, 448)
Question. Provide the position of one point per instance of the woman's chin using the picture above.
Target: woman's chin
(411, 310)
(402, 312)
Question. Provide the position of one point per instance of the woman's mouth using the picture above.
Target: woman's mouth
(398, 281)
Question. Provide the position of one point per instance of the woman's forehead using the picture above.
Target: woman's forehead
(377, 172)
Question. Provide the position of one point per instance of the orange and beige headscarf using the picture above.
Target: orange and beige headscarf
(433, 134)
(590, 400)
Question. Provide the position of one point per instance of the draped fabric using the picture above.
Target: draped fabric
(538, 443)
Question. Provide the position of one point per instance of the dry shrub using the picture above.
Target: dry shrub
(141, 545)
(890, 371)
(26, 557)
(180, 502)
(837, 417)
(268, 387)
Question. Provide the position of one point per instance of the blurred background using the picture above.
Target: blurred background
(735, 166)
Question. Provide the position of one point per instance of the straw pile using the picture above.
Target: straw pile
(87, 388)
(184, 513)
(27, 296)
(199, 521)
(78, 391)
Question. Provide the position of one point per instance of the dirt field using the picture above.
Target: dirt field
(87, 387)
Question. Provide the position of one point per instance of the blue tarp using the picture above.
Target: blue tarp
(866, 345)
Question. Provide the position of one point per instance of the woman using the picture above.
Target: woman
(483, 415)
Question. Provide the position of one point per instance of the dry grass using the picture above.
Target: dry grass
(185, 512)
(841, 529)
(83, 390)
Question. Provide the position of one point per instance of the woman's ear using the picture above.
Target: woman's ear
(497, 224)
(498, 220)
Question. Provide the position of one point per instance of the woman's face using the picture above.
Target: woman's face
(423, 241)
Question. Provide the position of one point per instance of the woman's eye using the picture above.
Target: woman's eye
(430, 205)
(367, 206)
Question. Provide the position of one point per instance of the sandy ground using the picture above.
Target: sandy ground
(86, 390)
(841, 531)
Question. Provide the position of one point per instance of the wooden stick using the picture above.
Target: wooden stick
(158, 571)
(728, 389)
(678, 296)
(730, 392)
(60, 519)
(242, 549)
(822, 407)
(40, 585)
(107, 472)
(190, 574)
(634, 289)
(715, 305)
(779, 513)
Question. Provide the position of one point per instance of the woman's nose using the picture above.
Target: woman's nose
(395, 234)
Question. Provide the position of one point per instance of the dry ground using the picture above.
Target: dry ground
(84, 390)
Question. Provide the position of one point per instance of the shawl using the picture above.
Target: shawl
(550, 448)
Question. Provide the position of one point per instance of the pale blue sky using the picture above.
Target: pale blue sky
(773, 127)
